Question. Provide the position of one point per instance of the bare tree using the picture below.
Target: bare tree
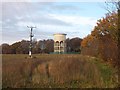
(112, 5)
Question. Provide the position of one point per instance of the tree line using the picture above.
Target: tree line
(41, 46)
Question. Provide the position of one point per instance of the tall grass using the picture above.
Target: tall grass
(72, 71)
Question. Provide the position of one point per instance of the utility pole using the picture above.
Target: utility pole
(31, 36)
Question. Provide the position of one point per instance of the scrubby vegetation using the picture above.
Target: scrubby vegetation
(54, 71)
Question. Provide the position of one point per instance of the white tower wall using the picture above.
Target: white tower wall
(60, 43)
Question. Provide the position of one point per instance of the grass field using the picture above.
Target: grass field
(56, 71)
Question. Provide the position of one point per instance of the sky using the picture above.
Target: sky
(76, 19)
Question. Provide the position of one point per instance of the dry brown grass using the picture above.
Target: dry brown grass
(68, 69)
(53, 71)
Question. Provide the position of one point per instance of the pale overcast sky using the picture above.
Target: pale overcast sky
(76, 19)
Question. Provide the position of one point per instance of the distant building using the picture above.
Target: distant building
(60, 43)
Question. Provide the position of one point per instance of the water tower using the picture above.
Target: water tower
(60, 43)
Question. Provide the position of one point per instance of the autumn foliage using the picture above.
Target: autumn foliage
(102, 42)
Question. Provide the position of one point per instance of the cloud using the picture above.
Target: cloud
(16, 0)
(76, 20)
(43, 21)
(24, 12)
(63, 7)
(55, 0)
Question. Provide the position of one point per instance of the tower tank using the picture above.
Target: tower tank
(59, 43)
